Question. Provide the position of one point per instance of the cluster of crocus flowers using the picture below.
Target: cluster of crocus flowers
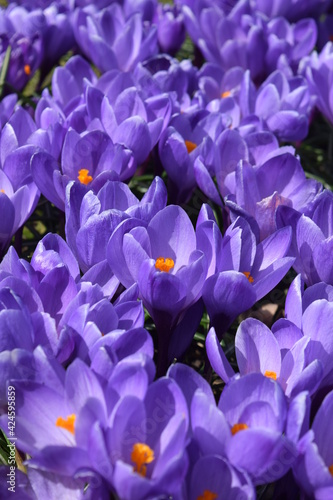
(96, 325)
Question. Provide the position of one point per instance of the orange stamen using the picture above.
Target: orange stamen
(164, 265)
(331, 469)
(84, 176)
(67, 423)
(2, 190)
(249, 277)
(270, 375)
(27, 69)
(207, 495)
(141, 455)
(190, 146)
(225, 94)
(238, 427)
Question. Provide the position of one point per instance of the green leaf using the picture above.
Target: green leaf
(4, 69)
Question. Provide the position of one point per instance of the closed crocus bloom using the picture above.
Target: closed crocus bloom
(256, 410)
(314, 465)
(170, 28)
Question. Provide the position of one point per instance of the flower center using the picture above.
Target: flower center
(141, 455)
(249, 277)
(190, 146)
(84, 176)
(2, 191)
(225, 94)
(27, 69)
(164, 265)
(270, 375)
(331, 469)
(207, 495)
(67, 423)
(238, 427)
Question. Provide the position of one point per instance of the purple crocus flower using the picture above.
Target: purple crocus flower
(90, 159)
(26, 56)
(68, 398)
(188, 137)
(162, 257)
(163, 73)
(91, 219)
(111, 41)
(19, 194)
(208, 435)
(256, 410)
(287, 99)
(310, 312)
(312, 238)
(259, 350)
(213, 476)
(170, 28)
(127, 115)
(17, 204)
(256, 193)
(243, 272)
(314, 465)
(318, 71)
(146, 442)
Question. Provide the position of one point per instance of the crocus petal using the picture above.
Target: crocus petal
(172, 235)
(257, 350)
(217, 358)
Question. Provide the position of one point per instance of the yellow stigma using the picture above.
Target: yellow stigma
(84, 176)
(67, 423)
(238, 427)
(270, 375)
(227, 93)
(331, 469)
(141, 455)
(190, 146)
(2, 190)
(207, 495)
(249, 277)
(27, 69)
(164, 264)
